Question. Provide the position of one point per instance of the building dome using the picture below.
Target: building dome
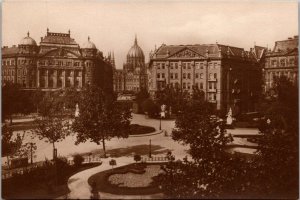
(89, 45)
(28, 41)
(135, 51)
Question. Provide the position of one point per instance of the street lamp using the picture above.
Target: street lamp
(162, 114)
(150, 148)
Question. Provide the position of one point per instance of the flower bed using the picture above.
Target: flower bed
(133, 179)
(136, 129)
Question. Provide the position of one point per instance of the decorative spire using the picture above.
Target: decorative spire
(47, 30)
(88, 38)
(28, 34)
(135, 40)
(69, 32)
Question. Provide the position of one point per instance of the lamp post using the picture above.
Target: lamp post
(150, 148)
(159, 121)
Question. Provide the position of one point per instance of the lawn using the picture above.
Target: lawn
(17, 189)
(136, 129)
(133, 179)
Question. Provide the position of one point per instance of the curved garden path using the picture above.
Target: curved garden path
(78, 183)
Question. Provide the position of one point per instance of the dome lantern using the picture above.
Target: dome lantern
(28, 41)
(89, 44)
(135, 51)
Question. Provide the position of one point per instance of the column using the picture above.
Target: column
(73, 78)
(37, 78)
(46, 79)
(80, 75)
(55, 79)
(63, 78)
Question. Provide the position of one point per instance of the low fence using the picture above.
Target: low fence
(10, 172)
(155, 159)
(92, 160)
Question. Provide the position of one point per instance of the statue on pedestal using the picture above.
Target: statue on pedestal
(229, 118)
(77, 110)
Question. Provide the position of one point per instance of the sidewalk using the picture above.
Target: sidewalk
(78, 183)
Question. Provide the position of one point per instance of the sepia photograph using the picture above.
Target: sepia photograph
(149, 99)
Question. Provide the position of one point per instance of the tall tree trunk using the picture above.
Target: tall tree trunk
(8, 162)
(103, 143)
(10, 118)
(53, 151)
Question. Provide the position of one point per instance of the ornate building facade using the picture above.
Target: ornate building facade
(282, 61)
(133, 77)
(227, 75)
(57, 62)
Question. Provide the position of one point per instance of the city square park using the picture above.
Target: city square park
(157, 163)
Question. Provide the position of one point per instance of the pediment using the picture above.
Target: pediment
(61, 53)
(186, 53)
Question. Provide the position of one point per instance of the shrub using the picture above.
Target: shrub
(137, 158)
(78, 160)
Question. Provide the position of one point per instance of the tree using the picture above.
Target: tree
(51, 124)
(137, 158)
(11, 100)
(101, 117)
(10, 144)
(141, 96)
(150, 108)
(78, 160)
(36, 98)
(212, 172)
(112, 163)
(276, 167)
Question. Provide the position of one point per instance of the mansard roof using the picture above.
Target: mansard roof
(207, 51)
(9, 50)
(58, 38)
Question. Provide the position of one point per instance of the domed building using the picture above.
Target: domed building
(57, 62)
(135, 75)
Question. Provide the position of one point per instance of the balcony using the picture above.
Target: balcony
(212, 90)
(212, 79)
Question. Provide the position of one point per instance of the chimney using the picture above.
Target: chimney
(290, 38)
(296, 37)
(14, 46)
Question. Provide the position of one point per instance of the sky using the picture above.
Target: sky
(112, 25)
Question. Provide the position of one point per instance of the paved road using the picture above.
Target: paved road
(67, 146)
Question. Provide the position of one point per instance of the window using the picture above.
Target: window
(189, 76)
(197, 65)
(282, 62)
(158, 66)
(273, 62)
(189, 85)
(214, 97)
(197, 75)
(197, 85)
(171, 75)
(163, 75)
(215, 75)
(189, 65)
(158, 75)
(201, 65)
(184, 76)
(209, 85)
(171, 65)
(183, 65)
(210, 76)
(163, 65)
(215, 65)
(215, 85)
(291, 61)
(176, 76)
(183, 86)
(201, 75)
(176, 65)
(201, 85)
